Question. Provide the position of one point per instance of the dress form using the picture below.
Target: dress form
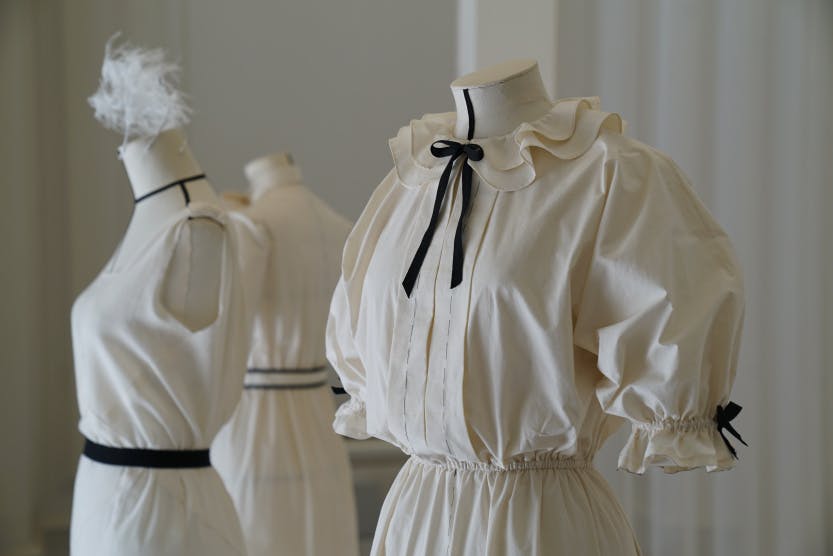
(193, 280)
(274, 170)
(282, 425)
(417, 367)
(502, 97)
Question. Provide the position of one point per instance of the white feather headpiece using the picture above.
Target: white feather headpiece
(137, 94)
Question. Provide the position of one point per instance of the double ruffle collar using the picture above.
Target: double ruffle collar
(567, 131)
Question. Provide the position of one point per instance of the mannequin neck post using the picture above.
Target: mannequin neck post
(268, 172)
(502, 97)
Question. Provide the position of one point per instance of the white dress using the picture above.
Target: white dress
(286, 470)
(596, 290)
(145, 380)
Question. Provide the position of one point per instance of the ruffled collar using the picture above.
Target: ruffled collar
(566, 132)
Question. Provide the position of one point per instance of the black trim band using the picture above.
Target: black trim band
(141, 457)
(180, 183)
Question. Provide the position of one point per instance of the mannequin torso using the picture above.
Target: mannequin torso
(502, 97)
(193, 280)
(267, 172)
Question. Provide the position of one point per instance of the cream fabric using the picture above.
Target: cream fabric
(285, 468)
(145, 380)
(596, 290)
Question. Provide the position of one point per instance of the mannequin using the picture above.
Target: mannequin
(275, 170)
(149, 166)
(279, 445)
(161, 335)
(503, 96)
(508, 300)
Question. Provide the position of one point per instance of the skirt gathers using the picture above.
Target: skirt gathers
(546, 507)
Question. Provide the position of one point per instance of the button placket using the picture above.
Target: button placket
(423, 306)
(482, 206)
(434, 396)
(446, 319)
(405, 323)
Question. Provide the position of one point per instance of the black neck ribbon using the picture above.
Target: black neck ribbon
(723, 417)
(178, 183)
(454, 150)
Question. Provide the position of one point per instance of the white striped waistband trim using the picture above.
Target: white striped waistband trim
(274, 378)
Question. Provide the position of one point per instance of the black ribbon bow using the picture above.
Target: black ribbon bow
(455, 150)
(723, 416)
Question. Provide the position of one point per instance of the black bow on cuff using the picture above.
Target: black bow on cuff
(723, 417)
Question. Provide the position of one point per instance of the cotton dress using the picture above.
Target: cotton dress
(286, 470)
(597, 290)
(145, 380)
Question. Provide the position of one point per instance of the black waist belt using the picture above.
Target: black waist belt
(141, 457)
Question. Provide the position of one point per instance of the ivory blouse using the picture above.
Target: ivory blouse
(596, 289)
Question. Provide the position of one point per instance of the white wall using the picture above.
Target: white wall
(330, 81)
(494, 31)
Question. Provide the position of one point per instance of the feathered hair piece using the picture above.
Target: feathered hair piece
(137, 94)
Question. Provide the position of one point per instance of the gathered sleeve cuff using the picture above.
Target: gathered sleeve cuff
(351, 419)
(676, 445)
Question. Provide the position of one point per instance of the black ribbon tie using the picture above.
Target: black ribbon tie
(723, 417)
(454, 150)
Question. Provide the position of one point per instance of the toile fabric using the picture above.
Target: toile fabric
(595, 290)
(285, 468)
(146, 380)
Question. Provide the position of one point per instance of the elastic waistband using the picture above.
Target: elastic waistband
(142, 457)
(285, 379)
(509, 467)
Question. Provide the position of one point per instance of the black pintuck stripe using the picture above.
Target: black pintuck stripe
(470, 111)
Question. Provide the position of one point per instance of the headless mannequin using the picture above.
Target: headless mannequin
(192, 283)
(503, 96)
(275, 170)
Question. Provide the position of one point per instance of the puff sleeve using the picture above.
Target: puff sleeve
(343, 349)
(662, 310)
(350, 418)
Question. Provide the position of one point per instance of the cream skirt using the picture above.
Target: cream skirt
(135, 511)
(548, 508)
(288, 474)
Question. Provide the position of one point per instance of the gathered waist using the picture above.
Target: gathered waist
(273, 378)
(557, 462)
